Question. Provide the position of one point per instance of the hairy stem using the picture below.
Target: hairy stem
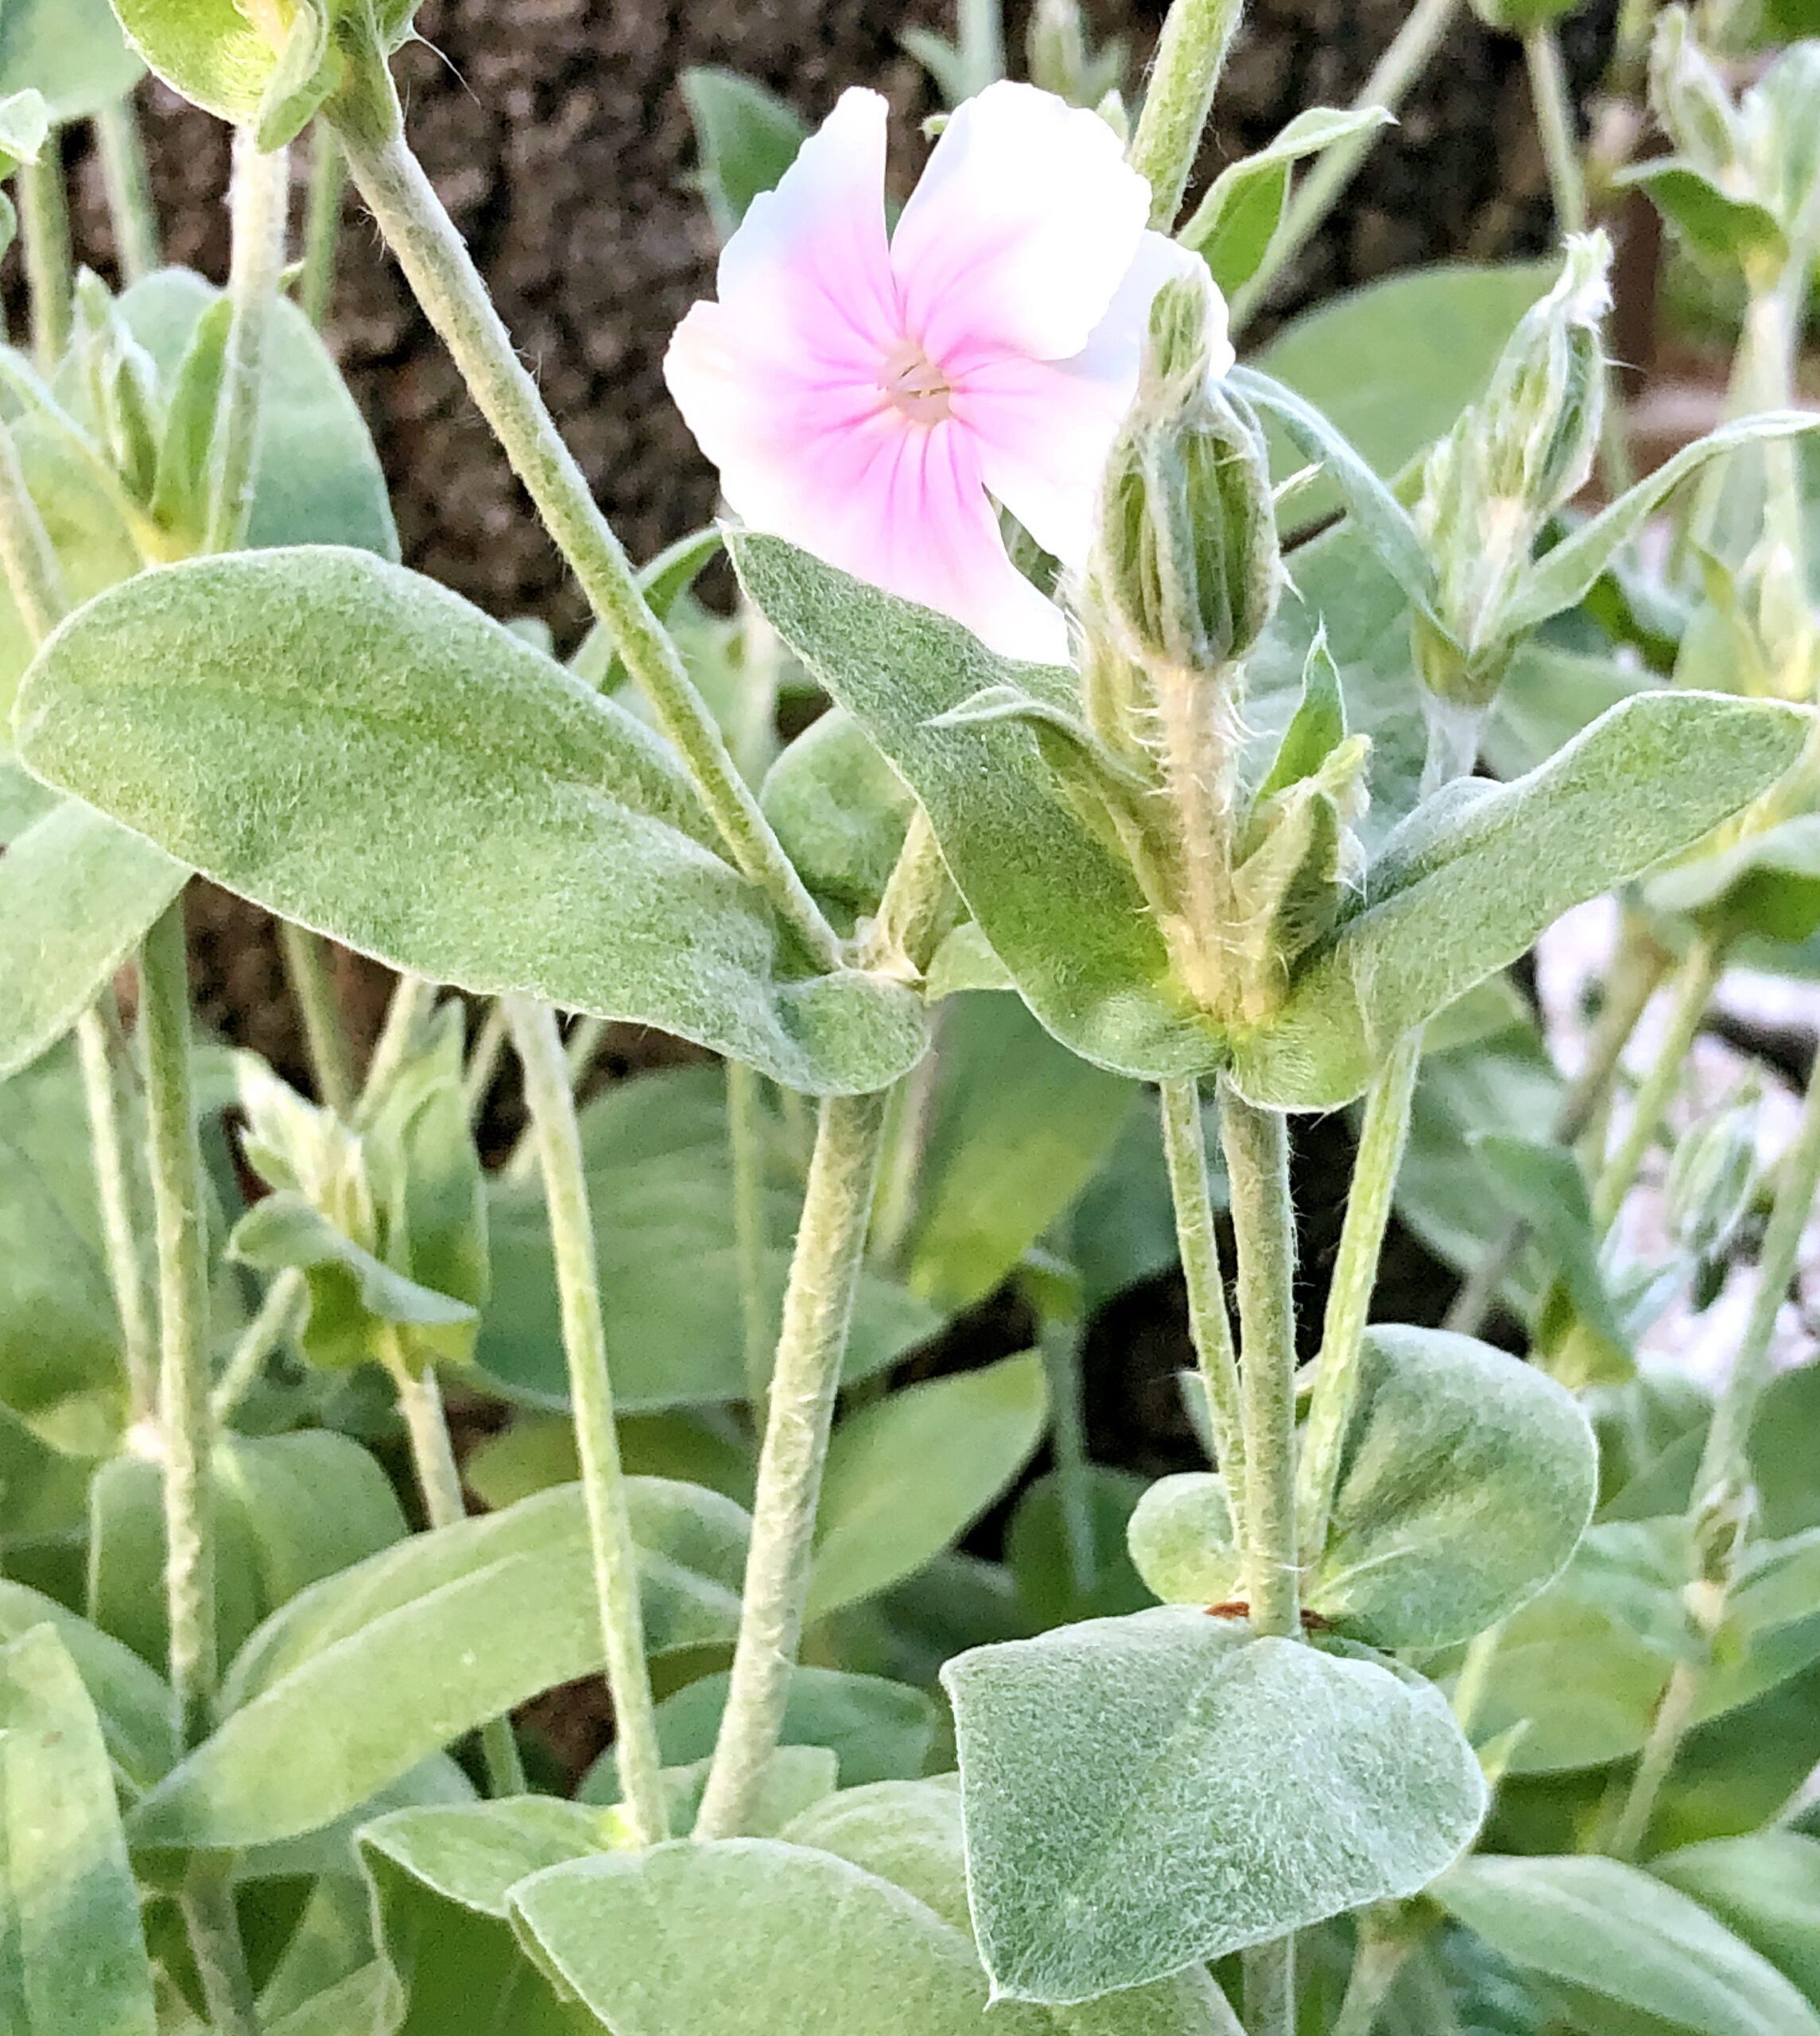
(207, 1902)
(258, 201)
(1416, 41)
(278, 1315)
(439, 1485)
(1060, 1347)
(484, 1057)
(322, 222)
(1382, 1137)
(551, 1102)
(135, 223)
(443, 277)
(1180, 96)
(818, 1306)
(746, 1163)
(1270, 1988)
(1184, 1151)
(44, 234)
(1693, 986)
(1636, 977)
(307, 964)
(1256, 1145)
(114, 1192)
(1554, 126)
(178, 1202)
(412, 998)
(1376, 1961)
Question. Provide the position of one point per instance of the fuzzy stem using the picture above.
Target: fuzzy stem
(307, 964)
(113, 1183)
(177, 1204)
(322, 222)
(1189, 58)
(1256, 1145)
(1554, 125)
(1382, 1137)
(818, 1306)
(981, 41)
(615, 1555)
(746, 1162)
(443, 277)
(439, 1484)
(1672, 1721)
(483, 1059)
(1694, 984)
(1185, 1152)
(1270, 1988)
(206, 1902)
(411, 1001)
(278, 1314)
(1377, 1959)
(44, 232)
(1420, 36)
(1061, 1347)
(258, 201)
(122, 153)
(1634, 978)
(579, 1051)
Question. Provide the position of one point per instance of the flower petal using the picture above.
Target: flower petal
(1024, 221)
(1045, 428)
(809, 272)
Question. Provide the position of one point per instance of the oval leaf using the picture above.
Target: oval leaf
(276, 718)
(1145, 1793)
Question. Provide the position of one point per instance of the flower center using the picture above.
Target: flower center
(914, 384)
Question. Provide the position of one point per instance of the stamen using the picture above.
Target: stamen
(914, 384)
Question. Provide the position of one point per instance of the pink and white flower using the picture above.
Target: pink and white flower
(871, 398)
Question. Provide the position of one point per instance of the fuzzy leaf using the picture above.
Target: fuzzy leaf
(1607, 1935)
(1470, 881)
(77, 895)
(748, 138)
(75, 1962)
(71, 50)
(270, 716)
(1063, 913)
(1146, 1792)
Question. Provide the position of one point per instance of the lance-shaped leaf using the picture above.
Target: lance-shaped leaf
(1146, 1792)
(1623, 1950)
(746, 137)
(1466, 884)
(366, 1674)
(75, 1961)
(1564, 576)
(77, 895)
(1060, 909)
(351, 746)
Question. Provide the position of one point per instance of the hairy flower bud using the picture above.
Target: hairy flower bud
(1524, 449)
(1185, 568)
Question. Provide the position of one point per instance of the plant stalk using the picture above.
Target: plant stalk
(746, 1163)
(1554, 124)
(1060, 1345)
(1189, 59)
(1256, 1145)
(322, 222)
(551, 1102)
(123, 153)
(178, 1202)
(278, 1314)
(1382, 1136)
(213, 1929)
(1694, 983)
(34, 575)
(49, 264)
(113, 1192)
(483, 1059)
(1636, 977)
(1185, 1152)
(818, 1306)
(1270, 1988)
(307, 964)
(443, 277)
(258, 203)
(439, 1484)
(412, 998)
(1416, 41)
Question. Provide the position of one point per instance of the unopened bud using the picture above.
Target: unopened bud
(1689, 97)
(1716, 1174)
(1185, 568)
(1525, 448)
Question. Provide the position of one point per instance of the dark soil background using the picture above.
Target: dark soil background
(556, 132)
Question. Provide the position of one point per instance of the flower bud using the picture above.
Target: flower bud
(1525, 448)
(1716, 1174)
(1185, 567)
(1690, 100)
